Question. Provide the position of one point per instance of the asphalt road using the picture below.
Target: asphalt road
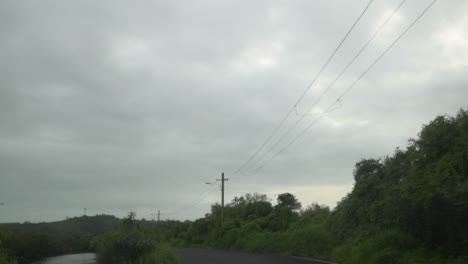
(208, 256)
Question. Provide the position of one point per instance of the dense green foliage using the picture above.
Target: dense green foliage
(29, 242)
(132, 244)
(124, 240)
(411, 207)
(5, 256)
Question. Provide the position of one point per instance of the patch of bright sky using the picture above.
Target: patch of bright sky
(257, 58)
(453, 43)
(392, 29)
(327, 195)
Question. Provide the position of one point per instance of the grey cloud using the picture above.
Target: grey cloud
(119, 106)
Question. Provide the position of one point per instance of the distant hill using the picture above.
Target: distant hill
(29, 242)
(76, 226)
(84, 225)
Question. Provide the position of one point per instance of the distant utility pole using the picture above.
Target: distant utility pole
(159, 216)
(222, 194)
(84, 212)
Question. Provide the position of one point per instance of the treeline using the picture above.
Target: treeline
(410, 207)
(70, 225)
(134, 242)
(28, 242)
(115, 240)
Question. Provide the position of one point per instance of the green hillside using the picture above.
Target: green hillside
(84, 225)
(33, 241)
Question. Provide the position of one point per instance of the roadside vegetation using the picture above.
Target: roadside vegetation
(409, 207)
(29, 242)
(133, 244)
(117, 240)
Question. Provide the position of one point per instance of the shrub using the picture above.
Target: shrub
(162, 254)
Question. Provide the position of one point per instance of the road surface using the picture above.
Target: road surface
(83, 258)
(208, 256)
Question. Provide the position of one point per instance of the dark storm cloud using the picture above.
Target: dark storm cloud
(119, 106)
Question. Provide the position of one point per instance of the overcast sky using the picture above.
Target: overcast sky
(122, 106)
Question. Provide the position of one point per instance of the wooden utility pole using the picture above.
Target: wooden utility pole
(159, 214)
(222, 194)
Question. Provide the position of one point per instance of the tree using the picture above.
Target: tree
(366, 168)
(288, 200)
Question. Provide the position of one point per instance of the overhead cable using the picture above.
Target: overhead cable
(338, 100)
(305, 91)
(329, 87)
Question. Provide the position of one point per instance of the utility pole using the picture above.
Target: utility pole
(222, 194)
(84, 212)
(158, 214)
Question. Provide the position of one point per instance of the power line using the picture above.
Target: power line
(329, 109)
(329, 87)
(389, 47)
(305, 91)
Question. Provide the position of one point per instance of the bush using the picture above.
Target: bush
(4, 259)
(386, 246)
(162, 254)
